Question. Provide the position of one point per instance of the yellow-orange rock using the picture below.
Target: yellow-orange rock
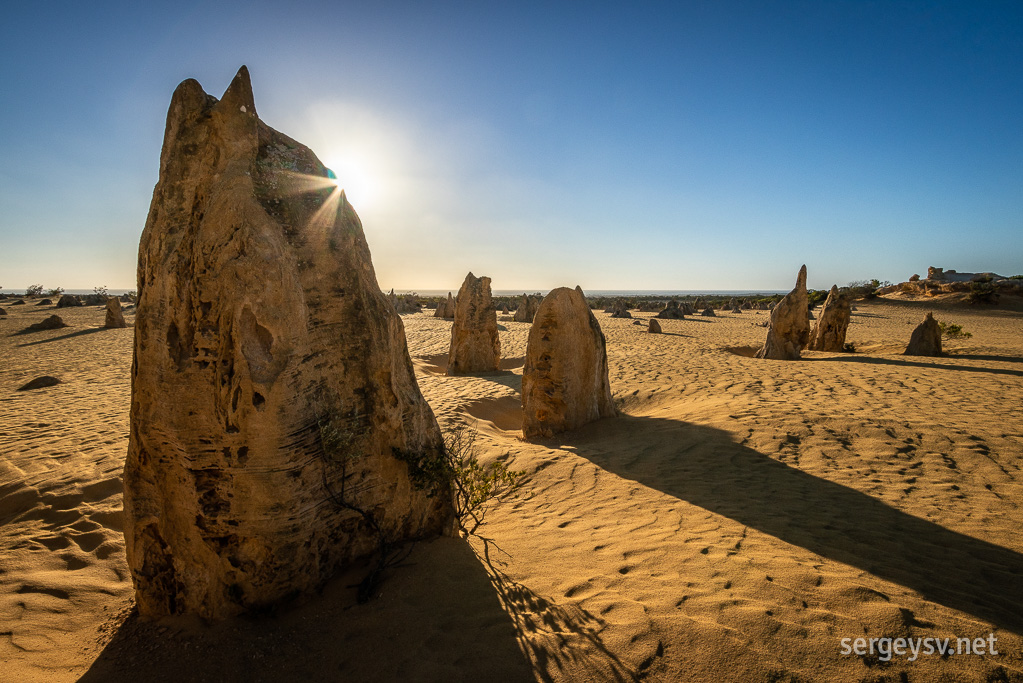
(114, 316)
(789, 329)
(564, 381)
(274, 406)
(829, 332)
(475, 343)
(926, 338)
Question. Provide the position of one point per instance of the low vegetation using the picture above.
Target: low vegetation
(953, 331)
(474, 486)
(983, 291)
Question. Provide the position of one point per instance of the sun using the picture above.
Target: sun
(356, 177)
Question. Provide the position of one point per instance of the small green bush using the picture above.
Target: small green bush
(34, 290)
(473, 485)
(816, 296)
(953, 331)
(983, 292)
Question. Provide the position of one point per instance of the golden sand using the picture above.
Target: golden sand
(737, 521)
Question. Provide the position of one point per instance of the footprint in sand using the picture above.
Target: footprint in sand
(45, 590)
(89, 541)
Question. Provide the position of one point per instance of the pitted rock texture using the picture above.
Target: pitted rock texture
(789, 330)
(475, 344)
(564, 381)
(271, 386)
(829, 332)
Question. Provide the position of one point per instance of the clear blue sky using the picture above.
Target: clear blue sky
(676, 145)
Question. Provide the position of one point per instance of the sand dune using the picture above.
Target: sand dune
(737, 521)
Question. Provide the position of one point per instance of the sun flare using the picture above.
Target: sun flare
(356, 179)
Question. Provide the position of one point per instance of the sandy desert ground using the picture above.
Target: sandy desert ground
(736, 522)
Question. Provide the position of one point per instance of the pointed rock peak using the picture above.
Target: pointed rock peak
(189, 94)
(834, 290)
(580, 290)
(239, 94)
(801, 278)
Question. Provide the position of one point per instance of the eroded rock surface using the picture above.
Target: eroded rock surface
(671, 311)
(475, 344)
(39, 383)
(789, 330)
(114, 316)
(274, 406)
(445, 309)
(564, 380)
(53, 322)
(926, 339)
(620, 310)
(527, 309)
(829, 332)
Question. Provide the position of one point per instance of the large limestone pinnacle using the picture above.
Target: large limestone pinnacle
(829, 332)
(565, 379)
(475, 342)
(789, 329)
(274, 405)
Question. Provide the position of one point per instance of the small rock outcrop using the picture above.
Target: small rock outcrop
(564, 380)
(618, 310)
(672, 311)
(926, 339)
(829, 332)
(527, 309)
(3, 312)
(789, 330)
(114, 318)
(54, 322)
(654, 326)
(708, 312)
(39, 383)
(687, 308)
(274, 407)
(45, 302)
(19, 302)
(69, 301)
(446, 308)
(475, 343)
(404, 303)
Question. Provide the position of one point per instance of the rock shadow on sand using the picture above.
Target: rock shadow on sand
(879, 360)
(556, 638)
(705, 467)
(438, 617)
